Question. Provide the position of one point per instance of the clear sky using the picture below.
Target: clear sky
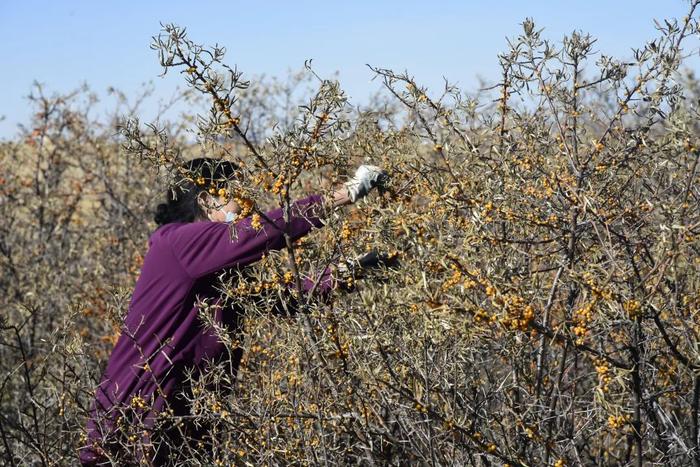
(65, 43)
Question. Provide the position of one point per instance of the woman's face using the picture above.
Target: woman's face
(217, 207)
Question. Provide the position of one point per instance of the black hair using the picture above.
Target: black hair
(196, 176)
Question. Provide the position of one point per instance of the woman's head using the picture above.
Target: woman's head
(201, 199)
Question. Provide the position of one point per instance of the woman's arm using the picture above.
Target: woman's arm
(340, 198)
(205, 247)
(287, 304)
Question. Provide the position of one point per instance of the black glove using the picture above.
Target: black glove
(359, 267)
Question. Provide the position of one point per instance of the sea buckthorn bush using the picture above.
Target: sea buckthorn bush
(542, 307)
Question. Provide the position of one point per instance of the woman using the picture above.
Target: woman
(163, 338)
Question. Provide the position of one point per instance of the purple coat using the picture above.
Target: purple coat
(162, 328)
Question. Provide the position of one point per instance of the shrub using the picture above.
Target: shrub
(544, 311)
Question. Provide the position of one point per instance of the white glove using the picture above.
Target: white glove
(366, 177)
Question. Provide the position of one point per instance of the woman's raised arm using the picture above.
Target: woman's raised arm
(205, 247)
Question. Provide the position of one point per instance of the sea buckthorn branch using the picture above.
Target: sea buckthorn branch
(398, 386)
(205, 79)
(540, 328)
(389, 79)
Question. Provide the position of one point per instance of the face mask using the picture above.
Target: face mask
(230, 216)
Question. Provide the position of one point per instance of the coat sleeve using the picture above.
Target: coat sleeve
(205, 247)
(288, 304)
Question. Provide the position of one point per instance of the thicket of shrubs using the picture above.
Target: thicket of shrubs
(545, 311)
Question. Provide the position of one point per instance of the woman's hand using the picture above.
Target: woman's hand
(341, 198)
(366, 177)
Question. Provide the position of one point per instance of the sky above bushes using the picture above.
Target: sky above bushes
(63, 44)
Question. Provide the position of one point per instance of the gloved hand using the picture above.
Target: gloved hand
(371, 260)
(366, 177)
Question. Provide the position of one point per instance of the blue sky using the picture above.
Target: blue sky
(65, 43)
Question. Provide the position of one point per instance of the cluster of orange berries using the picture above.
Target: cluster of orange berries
(346, 231)
(469, 283)
(212, 190)
(293, 379)
(454, 279)
(214, 405)
(138, 402)
(519, 318)
(263, 179)
(618, 421)
(546, 88)
(420, 407)
(503, 101)
(596, 291)
(482, 316)
(278, 186)
(344, 347)
(255, 288)
(604, 375)
(246, 204)
(400, 226)
(136, 263)
(241, 289)
(257, 348)
(547, 186)
(524, 163)
(633, 308)
(222, 192)
(518, 315)
(486, 212)
(582, 319)
(223, 106)
(448, 424)
(342, 352)
(541, 218)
